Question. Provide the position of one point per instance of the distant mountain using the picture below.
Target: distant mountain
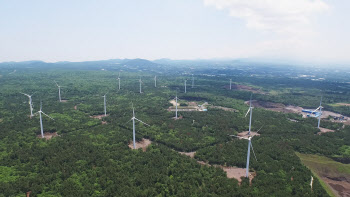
(139, 63)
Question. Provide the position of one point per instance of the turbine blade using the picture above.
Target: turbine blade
(247, 112)
(56, 84)
(47, 115)
(253, 150)
(25, 94)
(260, 128)
(128, 121)
(142, 122)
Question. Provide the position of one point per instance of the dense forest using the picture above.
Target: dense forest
(88, 158)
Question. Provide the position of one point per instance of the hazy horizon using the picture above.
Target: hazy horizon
(304, 31)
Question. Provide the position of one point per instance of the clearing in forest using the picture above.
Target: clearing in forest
(48, 135)
(231, 172)
(144, 143)
(334, 176)
(324, 130)
(99, 116)
(245, 88)
(190, 154)
(244, 134)
(190, 106)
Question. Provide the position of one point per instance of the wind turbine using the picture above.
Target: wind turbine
(104, 101)
(185, 86)
(176, 106)
(140, 85)
(59, 91)
(230, 84)
(30, 103)
(40, 112)
(119, 80)
(192, 81)
(133, 126)
(155, 81)
(320, 113)
(251, 113)
(248, 153)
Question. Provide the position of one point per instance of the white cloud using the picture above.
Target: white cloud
(280, 16)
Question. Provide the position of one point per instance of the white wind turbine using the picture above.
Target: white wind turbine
(104, 101)
(40, 112)
(30, 103)
(59, 91)
(133, 126)
(119, 80)
(176, 105)
(155, 81)
(320, 113)
(251, 113)
(248, 153)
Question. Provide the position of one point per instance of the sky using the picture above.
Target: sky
(315, 31)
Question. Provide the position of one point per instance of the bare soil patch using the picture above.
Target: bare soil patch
(334, 174)
(190, 154)
(179, 117)
(64, 101)
(277, 107)
(192, 106)
(48, 135)
(224, 108)
(244, 134)
(144, 143)
(343, 104)
(324, 130)
(173, 102)
(245, 88)
(99, 116)
(232, 172)
(75, 107)
(103, 122)
(342, 188)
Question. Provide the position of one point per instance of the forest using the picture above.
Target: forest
(89, 158)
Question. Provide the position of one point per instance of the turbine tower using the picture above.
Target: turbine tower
(133, 126)
(155, 81)
(251, 113)
(119, 80)
(59, 91)
(248, 153)
(230, 84)
(319, 117)
(192, 81)
(176, 106)
(320, 113)
(185, 86)
(248, 156)
(140, 85)
(104, 101)
(30, 103)
(40, 112)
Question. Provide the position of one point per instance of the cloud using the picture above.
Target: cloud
(280, 16)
